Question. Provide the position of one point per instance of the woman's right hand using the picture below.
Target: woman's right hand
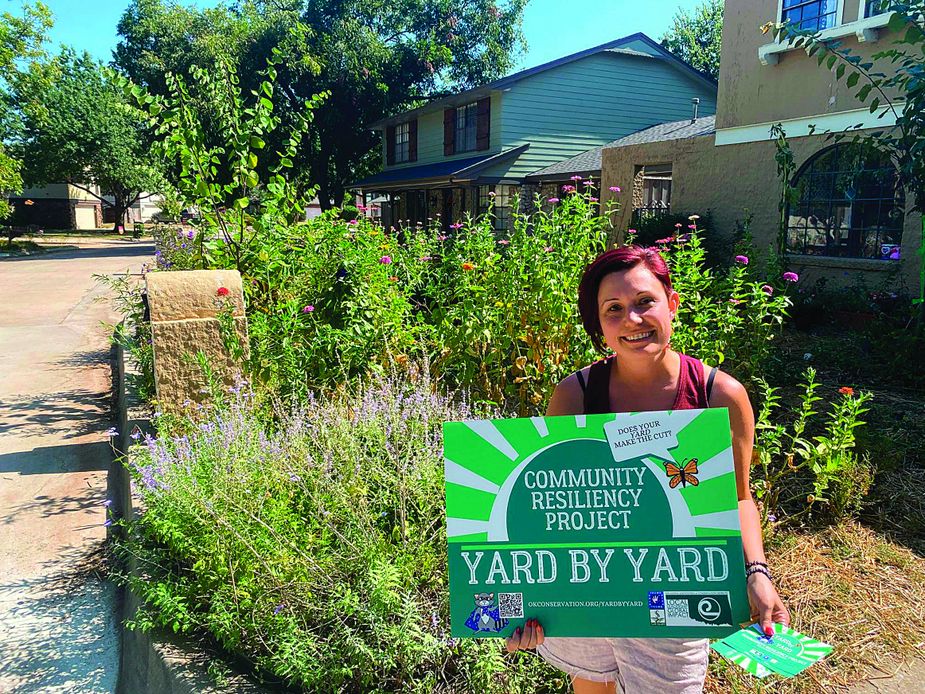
(530, 636)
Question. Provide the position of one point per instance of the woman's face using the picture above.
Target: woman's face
(635, 311)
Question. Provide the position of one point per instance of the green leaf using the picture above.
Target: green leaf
(852, 79)
(864, 91)
(241, 203)
(896, 23)
(830, 62)
(266, 103)
(257, 143)
(840, 72)
(874, 104)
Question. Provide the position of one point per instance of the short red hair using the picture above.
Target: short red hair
(614, 260)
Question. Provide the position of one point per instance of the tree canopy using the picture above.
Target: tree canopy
(77, 128)
(696, 37)
(374, 57)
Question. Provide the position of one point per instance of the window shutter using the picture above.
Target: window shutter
(413, 140)
(449, 131)
(483, 124)
(390, 145)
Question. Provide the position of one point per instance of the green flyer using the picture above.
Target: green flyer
(786, 653)
(621, 525)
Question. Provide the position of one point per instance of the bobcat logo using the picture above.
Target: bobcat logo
(485, 616)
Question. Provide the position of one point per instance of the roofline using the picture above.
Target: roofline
(505, 82)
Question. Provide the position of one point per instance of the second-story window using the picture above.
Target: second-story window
(811, 15)
(402, 142)
(466, 127)
(874, 7)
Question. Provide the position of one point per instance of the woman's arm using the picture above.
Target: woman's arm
(729, 393)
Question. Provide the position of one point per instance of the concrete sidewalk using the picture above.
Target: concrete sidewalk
(58, 619)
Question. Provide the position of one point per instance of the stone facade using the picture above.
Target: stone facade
(730, 181)
(185, 308)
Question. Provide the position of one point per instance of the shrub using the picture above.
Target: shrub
(317, 551)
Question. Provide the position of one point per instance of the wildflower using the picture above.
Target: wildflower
(187, 403)
(735, 302)
(107, 503)
(588, 183)
(503, 242)
(467, 266)
(665, 240)
(548, 249)
(455, 225)
(846, 390)
(772, 518)
(278, 608)
(694, 217)
(386, 260)
(442, 237)
(136, 434)
(791, 277)
(294, 478)
(353, 222)
(491, 193)
(594, 199)
(222, 291)
(615, 189)
(767, 289)
(190, 234)
(393, 278)
(678, 225)
(553, 201)
(742, 259)
(308, 309)
(691, 226)
(568, 189)
(576, 177)
(425, 258)
(112, 432)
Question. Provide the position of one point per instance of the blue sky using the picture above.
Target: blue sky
(553, 28)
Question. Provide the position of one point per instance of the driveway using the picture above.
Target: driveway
(58, 618)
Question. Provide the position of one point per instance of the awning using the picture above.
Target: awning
(440, 173)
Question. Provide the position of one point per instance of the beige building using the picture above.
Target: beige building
(850, 221)
(57, 206)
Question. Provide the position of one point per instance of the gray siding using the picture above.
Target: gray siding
(590, 102)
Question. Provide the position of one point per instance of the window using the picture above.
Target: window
(504, 201)
(849, 204)
(812, 15)
(653, 197)
(466, 125)
(402, 142)
(874, 7)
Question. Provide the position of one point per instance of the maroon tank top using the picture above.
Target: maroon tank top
(693, 388)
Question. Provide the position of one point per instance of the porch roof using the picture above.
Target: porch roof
(438, 173)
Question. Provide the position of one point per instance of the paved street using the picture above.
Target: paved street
(58, 625)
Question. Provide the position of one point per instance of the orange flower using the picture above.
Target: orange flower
(845, 390)
(393, 278)
(468, 266)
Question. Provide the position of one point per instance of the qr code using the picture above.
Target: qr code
(510, 605)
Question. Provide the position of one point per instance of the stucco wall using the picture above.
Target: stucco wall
(726, 181)
(796, 87)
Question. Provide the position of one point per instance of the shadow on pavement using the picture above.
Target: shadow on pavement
(64, 412)
(60, 633)
(76, 457)
(108, 251)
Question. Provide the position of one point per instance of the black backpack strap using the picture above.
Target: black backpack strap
(581, 381)
(710, 380)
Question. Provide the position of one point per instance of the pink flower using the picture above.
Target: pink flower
(594, 199)
(665, 240)
(491, 193)
(456, 225)
(615, 189)
(575, 178)
(308, 309)
(791, 277)
(678, 225)
(742, 259)
(767, 289)
(386, 260)
(691, 226)
(553, 201)
(425, 258)
(503, 242)
(568, 189)
(588, 183)
(442, 237)
(735, 302)
(352, 222)
(548, 249)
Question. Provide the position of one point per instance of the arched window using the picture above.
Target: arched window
(848, 202)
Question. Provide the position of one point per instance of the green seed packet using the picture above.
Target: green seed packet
(787, 653)
(612, 525)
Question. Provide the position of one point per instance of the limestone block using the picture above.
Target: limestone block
(177, 375)
(193, 294)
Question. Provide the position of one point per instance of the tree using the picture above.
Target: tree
(892, 81)
(697, 37)
(374, 58)
(21, 38)
(78, 128)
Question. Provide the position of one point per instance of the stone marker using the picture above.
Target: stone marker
(187, 309)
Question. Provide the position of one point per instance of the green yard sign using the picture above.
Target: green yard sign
(598, 525)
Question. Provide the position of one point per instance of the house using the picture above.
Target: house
(56, 206)
(848, 219)
(450, 156)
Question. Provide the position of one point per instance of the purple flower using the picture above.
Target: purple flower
(279, 608)
(425, 258)
(308, 309)
(294, 478)
(767, 289)
(108, 522)
(442, 237)
(576, 177)
(593, 199)
(553, 201)
(386, 260)
(791, 277)
(568, 189)
(190, 234)
(456, 225)
(352, 222)
(112, 432)
(136, 435)
(742, 259)
(615, 189)
(107, 503)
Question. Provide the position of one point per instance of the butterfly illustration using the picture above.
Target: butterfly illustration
(684, 475)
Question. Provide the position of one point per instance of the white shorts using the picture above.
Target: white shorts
(638, 666)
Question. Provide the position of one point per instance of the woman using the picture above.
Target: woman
(627, 303)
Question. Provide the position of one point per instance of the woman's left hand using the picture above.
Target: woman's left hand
(767, 607)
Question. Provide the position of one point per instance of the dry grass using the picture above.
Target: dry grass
(852, 588)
